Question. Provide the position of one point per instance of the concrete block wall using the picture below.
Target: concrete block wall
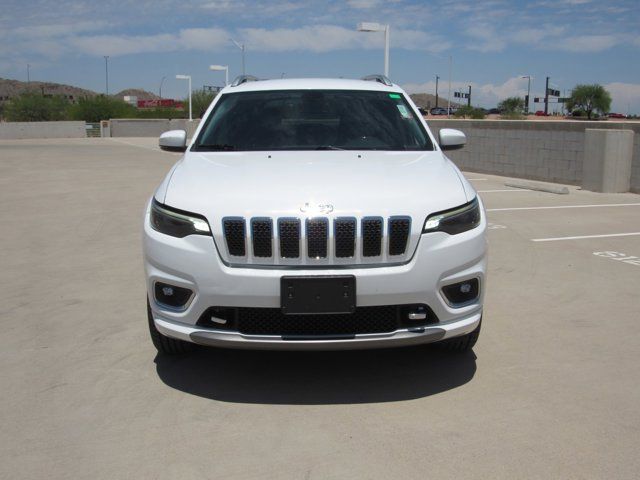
(21, 130)
(138, 127)
(150, 127)
(635, 164)
(550, 150)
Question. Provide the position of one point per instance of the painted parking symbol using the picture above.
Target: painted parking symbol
(619, 257)
(495, 226)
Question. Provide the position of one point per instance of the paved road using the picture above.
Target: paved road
(552, 390)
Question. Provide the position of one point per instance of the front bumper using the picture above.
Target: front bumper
(193, 262)
(399, 338)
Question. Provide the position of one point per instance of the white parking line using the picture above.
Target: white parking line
(563, 206)
(584, 237)
(146, 147)
(505, 190)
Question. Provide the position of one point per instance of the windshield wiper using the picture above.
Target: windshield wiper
(328, 147)
(216, 147)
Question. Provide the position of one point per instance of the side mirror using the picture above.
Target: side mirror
(451, 139)
(173, 141)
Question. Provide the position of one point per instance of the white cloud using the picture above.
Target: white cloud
(587, 43)
(625, 97)
(485, 38)
(487, 94)
(364, 4)
(536, 36)
(58, 29)
(57, 40)
(325, 38)
(187, 39)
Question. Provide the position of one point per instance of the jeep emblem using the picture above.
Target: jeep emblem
(320, 208)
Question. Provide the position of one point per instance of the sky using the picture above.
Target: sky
(489, 44)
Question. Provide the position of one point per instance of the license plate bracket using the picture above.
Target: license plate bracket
(315, 294)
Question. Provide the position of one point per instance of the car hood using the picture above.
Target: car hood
(306, 184)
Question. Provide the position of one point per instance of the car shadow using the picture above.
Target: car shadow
(314, 378)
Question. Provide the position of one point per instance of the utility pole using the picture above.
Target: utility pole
(526, 100)
(546, 98)
(106, 73)
(469, 97)
(160, 92)
(28, 75)
(449, 94)
(437, 78)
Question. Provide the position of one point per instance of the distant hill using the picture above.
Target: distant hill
(426, 100)
(136, 92)
(12, 88)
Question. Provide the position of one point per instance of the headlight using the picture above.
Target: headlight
(456, 220)
(177, 223)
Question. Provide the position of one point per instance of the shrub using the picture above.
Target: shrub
(200, 101)
(511, 108)
(101, 108)
(470, 112)
(33, 107)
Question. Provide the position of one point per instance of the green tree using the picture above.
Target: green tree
(590, 99)
(94, 109)
(470, 112)
(511, 107)
(33, 107)
(162, 112)
(200, 101)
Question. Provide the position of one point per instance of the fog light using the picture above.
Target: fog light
(462, 293)
(172, 296)
(167, 291)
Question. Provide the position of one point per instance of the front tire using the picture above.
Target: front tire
(166, 345)
(463, 343)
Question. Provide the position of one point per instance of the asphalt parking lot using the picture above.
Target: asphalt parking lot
(551, 391)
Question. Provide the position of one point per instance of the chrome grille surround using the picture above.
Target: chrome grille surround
(317, 241)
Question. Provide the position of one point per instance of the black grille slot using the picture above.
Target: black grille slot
(371, 237)
(399, 228)
(261, 234)
(345, 237)
(289, 233)
(234, 234)
(317, 235)
(271, 321)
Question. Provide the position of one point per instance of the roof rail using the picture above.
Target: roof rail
(378, 78)
(240, 79)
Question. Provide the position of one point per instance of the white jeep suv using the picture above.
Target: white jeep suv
(314, 214)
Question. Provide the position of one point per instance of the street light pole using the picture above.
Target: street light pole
(437, 78)
(219, 68)
(106, 73)
(376, 27)
(241, 47)
(386, 51)
(28, 74)
(187, 77)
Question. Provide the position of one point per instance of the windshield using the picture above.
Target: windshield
(312, 120)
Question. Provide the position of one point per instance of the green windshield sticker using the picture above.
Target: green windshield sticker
(403, 111)
(394, 95)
